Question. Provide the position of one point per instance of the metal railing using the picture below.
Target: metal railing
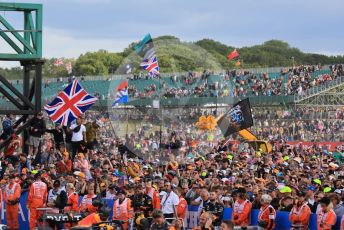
(318, 89)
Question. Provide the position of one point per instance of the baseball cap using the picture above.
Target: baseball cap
(57, 183)
(285, 189)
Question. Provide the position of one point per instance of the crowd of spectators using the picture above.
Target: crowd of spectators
(241, 83)
(201, 168)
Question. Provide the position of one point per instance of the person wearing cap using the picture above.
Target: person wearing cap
(37, 198)
(311, 202)
(241, 210)
(122, 210)
(111, 193)
(7, 128)
(154, 194)
(57, 199)
(142, 205)
(326, 218)
(141, 201)
(300, 213)
(72, 202)
(193, 193)
(267, 214)
(11, 197)
(36, 130)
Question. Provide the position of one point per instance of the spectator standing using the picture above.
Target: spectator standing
(326, 218)
(241, 210)
(36, 130)
(267, 214)
(300, 213)
(215, 208)
(57, 200)
(7, 128)
(78, 136)
(11, 197)
(182, 206)
(58, 135)
(338, 206)
(72, 203)
(36, 199)
(122, 210)
(169, 202)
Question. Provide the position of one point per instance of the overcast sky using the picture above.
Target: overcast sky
(72, 27)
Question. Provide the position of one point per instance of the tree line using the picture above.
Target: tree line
(175, 55)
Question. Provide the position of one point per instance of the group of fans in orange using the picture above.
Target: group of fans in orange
(150, 195)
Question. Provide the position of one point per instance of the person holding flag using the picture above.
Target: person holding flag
(69, 104)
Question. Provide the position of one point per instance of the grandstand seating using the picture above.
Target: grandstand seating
(107, 87)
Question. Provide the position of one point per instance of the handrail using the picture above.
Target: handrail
(317, 89)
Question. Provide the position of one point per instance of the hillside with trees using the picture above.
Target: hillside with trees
(175, 55)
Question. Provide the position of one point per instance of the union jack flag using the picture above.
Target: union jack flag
(58, 62)
(151, 65)
(69, 104)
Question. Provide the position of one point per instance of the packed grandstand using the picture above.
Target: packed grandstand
(151, 168)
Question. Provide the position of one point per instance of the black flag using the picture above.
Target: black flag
(237, 118)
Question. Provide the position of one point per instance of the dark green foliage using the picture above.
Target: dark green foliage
(176, 56)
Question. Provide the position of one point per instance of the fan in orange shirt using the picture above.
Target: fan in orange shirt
(326, 218)
(300, 213)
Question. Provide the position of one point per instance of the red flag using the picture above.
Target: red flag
(233, 54)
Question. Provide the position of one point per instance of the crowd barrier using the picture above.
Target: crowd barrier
(191, 219)
(330, 146)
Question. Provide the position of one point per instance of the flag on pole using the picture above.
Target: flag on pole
(58, 62)
(69, 67)
(121, 94)
(232, 55)
(237, 118)
(145, 48)
(69, 104)
(151, 66)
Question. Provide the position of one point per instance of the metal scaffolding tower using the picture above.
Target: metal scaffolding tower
(26, 43)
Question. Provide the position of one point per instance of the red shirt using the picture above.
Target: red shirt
(64, 168)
